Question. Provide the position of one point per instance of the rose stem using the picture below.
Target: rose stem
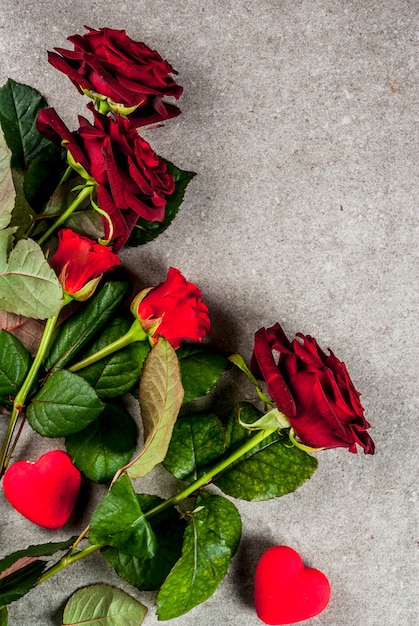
(84, 193)
(135, 333)
(212, 473)
(70, 558)
(41, 216)
(21, 395)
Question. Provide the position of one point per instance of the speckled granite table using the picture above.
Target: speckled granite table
(298, 117)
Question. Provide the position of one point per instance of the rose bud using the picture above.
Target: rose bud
(312, 389)
(173, 310)
(131, 179)
(79, 263)
(119, 74)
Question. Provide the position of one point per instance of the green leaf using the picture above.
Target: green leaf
(239, 361)
(19, 106)
(28, 284)
(43, 175)
(21, 570)
(88, 222)
(64, 405)
(103, 605)
(14, 364)
(83, 220)
(200, 368)
(211, 537)
(272, 469)
(149, 574)
(118, 521)
(146, 231)
(7, 189)
(117, 374)
(222, 517)
(82, 326)
(23, 214)
(160, 398)
(197, 441)
(3, 616)
(18, 583)
(27, 330)
(105, 446)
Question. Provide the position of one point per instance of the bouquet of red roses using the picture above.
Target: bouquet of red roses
(76, 342)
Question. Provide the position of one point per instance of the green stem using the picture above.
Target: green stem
(212, 473)
(65, 176)
(135, 333)
(22, 394)
(69, 559)
(84, 193)
(73, 556)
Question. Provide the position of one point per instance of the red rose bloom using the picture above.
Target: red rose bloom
(312, 389)
(79, 263)
(173, 309)
(132, 181)
(107, 64)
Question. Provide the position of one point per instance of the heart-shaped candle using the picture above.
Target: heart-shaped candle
(46, 491)
(286, 591)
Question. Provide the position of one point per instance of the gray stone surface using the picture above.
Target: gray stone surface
(298, 117)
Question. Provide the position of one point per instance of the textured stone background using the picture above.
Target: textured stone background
(298, 116)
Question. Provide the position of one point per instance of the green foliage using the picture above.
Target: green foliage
(272, 469)
(200, 368)
(73, 334)
(57, 199)
(28, 284)
(64, 405)
(21, 570)
(146, 231)
(15, 362)
(19, 106)
(7, 190)
(118, 521)
(116, 374)
(23, 215)
(103, 605)
(105, 446)
(197, 441)
(185, 555)
(160, 397)
(43, 175)
(149, 574)
(211, 538)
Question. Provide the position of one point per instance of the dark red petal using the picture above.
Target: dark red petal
(277, 387)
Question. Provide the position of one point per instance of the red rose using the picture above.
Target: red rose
(80, 262)
(312, 389)
(173, 309)
(132, 181)
(110, 66)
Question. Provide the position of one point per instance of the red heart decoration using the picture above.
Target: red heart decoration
(286, 591)
(46, 491)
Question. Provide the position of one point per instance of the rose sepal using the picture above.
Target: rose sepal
(151, 325)
(272, 419)
(88, 290)
(239, 362)
(136, 301)
(298, 444)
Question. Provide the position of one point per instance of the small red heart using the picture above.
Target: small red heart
(286, 591)
(46, 491)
